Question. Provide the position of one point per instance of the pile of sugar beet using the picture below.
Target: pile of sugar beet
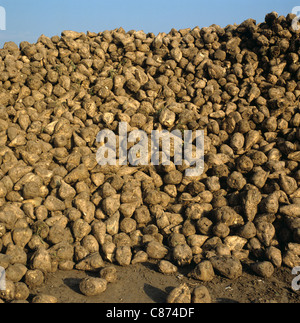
(61, 210)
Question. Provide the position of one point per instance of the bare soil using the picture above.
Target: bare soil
(142, 283)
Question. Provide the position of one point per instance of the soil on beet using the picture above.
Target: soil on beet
(150, 286)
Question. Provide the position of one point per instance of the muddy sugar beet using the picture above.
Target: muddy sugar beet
(61, 210)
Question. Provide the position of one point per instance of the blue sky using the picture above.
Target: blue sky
(28, 19)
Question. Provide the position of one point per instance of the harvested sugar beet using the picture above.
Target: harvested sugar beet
(62, 208)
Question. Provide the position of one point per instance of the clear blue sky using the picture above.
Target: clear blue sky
(28, 19)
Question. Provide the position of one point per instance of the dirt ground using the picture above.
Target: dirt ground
(142, 283)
